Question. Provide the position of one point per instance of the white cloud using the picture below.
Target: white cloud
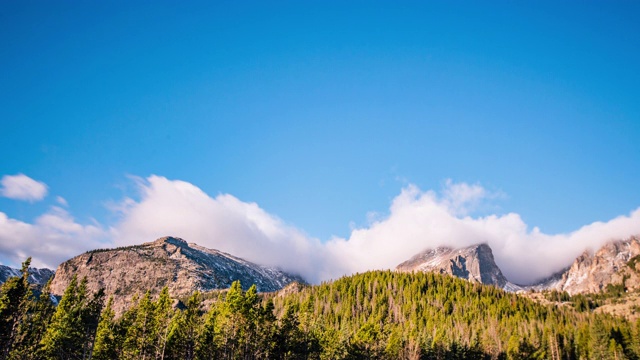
(22, 187)
(225, 223)
(416, 220)
(420, 220)
(62, 201)
(54, 237)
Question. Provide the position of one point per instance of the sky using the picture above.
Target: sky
(321, 137)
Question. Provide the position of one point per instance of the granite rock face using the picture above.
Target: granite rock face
(593, 271)
(168, 261)
(474, 263)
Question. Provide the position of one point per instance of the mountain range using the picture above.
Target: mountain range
(590, 272)
(37, 277)
(185, 267)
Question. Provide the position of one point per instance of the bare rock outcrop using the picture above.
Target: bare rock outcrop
(168, 261)
(474, 263)
(592, 271)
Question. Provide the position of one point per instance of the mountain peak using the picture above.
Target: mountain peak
(474, 263)
(170, 240)
(592, 271)
(168, 261)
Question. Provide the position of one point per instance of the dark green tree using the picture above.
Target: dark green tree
(106, 344)
(31, 331)
(64, 338)
(14, 301)
(183, 329)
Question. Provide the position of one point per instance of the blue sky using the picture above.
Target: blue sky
(322, 112)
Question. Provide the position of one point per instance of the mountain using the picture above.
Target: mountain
(592, 271)
(37, 277)
(615, 263)
(168, 261)
(474, 263)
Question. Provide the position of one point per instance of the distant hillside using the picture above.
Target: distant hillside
(168, 261)
(426, 315)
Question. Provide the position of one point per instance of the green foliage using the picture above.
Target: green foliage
(14, 302)
(71, 333)
(33, 327)
(375, 315)
(106, 335)
(633, 262)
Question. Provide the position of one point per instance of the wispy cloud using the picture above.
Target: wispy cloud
(22, 187)
(416, 220)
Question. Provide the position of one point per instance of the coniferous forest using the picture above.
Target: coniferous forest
(375, 315)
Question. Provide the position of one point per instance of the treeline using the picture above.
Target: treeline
(375, 315)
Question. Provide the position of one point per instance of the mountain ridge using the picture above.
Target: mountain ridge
(590, 272)
(167, 261)
(37, 276)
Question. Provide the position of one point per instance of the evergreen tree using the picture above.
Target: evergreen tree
(105, 347)
(31, 331)
(64, 338)
(14, 301)
(208, 338)
(163, 313)
(90, 315)
(184, 327)
(139, 340)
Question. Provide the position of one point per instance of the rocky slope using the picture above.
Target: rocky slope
(474, 263)
(168, 261)
(592, 272)
(37, 277)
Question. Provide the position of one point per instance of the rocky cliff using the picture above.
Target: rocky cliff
(593, 271)
(474, 263)
(168, 261)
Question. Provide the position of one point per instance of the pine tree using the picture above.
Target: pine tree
(184, 327)
(90, 315)
(138, 342)
(14, 301)
(64, 336)
(599, 340)
(31, 331)
(105, 347)
(163, 312)
(231, 321)
(207, 345)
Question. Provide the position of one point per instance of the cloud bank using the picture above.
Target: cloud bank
(52, 238)
(22, 187)
(416, 220)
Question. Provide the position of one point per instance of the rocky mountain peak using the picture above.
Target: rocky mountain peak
(168, 261)
(474, 263)
(169, 240)
(592, 271)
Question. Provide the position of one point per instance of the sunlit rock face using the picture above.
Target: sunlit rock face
(593, 271)
(474, 263)
(168, 261)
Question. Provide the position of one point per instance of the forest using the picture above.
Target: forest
(374, 315)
